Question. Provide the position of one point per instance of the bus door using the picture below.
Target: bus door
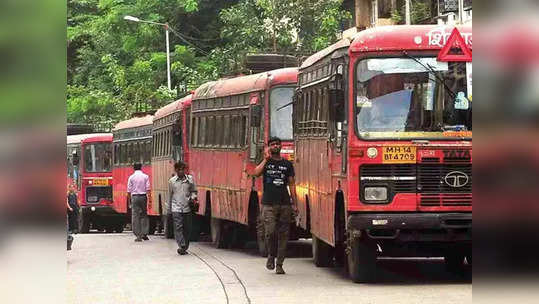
(256, 132)
(177, 140)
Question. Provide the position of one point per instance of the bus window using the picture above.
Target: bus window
(98, 157)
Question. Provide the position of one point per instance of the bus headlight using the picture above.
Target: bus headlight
(375, 193)
(372, 152)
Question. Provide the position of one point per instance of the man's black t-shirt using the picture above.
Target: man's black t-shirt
(276, 174)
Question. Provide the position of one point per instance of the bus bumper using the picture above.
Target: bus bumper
(99, 211)
(413, 227)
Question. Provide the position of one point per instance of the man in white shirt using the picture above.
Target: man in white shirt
(182, 190)
(138, 189)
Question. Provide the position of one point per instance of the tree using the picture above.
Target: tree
(116, 67)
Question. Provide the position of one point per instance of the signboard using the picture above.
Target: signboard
(448, 6)
(455, 41)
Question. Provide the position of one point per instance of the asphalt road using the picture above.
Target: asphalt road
(111, 268)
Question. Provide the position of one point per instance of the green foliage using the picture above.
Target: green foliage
(420, 11)
(396, 17)
(116, 67)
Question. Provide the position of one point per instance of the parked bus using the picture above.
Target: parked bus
(89, 165)
(383, 141)
(132, 142)
(231, 121)
(170, 131)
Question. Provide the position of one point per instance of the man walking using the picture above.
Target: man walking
(182, 191)
(277, 206)
(138, 190)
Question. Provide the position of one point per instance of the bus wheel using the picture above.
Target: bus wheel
(218, 238)
(454, 262)
(119, 227)
(239, 236)
(152, 225)
(109, 228)
(195, 227)
(84, 223)
(361, 260)
(260, 237)
(168, 226)
(322, 252)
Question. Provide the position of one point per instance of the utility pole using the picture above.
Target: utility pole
(363, 14)
(407, 13)
(168, 57)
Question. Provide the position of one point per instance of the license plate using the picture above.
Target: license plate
(100, 182)
(399, 154)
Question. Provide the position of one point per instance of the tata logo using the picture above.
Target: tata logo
(457, 154)
(456, 179)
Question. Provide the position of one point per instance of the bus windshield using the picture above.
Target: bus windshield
(98, 157)
(281, 112)
(413, 98)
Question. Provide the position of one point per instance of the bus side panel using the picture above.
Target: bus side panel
(150, 205)
(301, 181)
(119, 189)
(162, 171)
(320, 179)
(313, 177)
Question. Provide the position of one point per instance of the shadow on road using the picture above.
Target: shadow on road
(390, 270)
(405, 271)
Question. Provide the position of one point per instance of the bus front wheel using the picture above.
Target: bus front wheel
(361, 260)
(322, 252)
(218, 238)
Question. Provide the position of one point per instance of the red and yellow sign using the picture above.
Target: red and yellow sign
(99, 182)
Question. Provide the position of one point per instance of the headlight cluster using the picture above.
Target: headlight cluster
(374, 194)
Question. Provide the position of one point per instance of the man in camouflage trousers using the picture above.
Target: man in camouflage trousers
(278, 206)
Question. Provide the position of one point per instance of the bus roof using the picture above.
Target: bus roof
(246, 84)
(134, 122)
(173, 106)
(395, 38)
(76, 139)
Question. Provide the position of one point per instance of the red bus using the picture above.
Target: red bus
(170, 131)
(89, 164)
(231, 121)
(383, 139)
(132, 142)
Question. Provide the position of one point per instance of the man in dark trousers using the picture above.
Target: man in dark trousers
(72, 210)
(182, 191)
(278, 206)
(138, 190)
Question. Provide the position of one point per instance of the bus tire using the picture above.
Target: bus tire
(152, 225)
(168, 226)
(195, 228)
(361, 260)
(119, 227)
(218, 237)
(322, 252)
(84, 223)
(109, 228)
(454, 262)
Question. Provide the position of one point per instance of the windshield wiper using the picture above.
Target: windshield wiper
(286, 105)
(433, 71)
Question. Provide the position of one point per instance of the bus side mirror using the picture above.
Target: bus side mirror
(336, 104)
(255, 115)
